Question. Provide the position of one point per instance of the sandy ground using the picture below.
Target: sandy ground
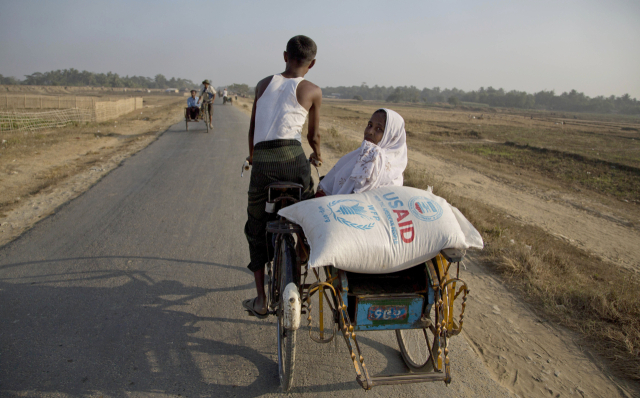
(525, 353)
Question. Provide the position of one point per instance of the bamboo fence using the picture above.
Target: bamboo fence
(26, 101)
(82, 109)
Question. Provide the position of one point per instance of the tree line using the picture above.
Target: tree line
(241, 89)
(572, 101)
(73, 77)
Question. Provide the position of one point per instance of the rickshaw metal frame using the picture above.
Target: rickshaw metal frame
(444, 325)
(335, 290)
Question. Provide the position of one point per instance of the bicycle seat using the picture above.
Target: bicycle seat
(284, 185)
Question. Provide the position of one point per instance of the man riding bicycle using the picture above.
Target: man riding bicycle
(207, 96)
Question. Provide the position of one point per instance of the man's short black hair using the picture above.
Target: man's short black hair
(302, 49)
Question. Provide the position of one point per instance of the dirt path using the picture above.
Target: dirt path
(527, 354)
(586, 225)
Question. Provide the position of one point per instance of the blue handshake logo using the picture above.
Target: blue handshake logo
(353, 210)
(351, 213)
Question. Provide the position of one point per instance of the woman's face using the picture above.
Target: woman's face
(375, 128)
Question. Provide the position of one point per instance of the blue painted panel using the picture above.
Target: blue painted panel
(388, 313)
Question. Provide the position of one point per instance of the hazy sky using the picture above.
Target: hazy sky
(592, 46)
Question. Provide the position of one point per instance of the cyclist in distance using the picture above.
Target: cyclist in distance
(207, 96)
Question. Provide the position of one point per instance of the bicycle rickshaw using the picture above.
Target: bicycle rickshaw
(416, 303)
(204, 117)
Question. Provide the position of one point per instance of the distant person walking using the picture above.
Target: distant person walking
(225, 96)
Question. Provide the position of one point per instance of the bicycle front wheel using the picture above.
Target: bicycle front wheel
(286, 258)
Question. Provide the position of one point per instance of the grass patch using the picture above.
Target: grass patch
(475, 104)
(338, 142)
(619, 180)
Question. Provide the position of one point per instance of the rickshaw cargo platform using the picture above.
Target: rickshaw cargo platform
(378, 301)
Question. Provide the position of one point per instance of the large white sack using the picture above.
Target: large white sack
(381, 231)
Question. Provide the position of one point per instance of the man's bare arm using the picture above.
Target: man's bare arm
(252, 126)
(313, 136)
(260, 87)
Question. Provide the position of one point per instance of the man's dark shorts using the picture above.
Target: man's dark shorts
(193, 112)
(210, 107)
(277, 160)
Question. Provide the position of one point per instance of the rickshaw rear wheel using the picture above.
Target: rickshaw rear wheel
(414, 343)
(286, 259)
(415, 350)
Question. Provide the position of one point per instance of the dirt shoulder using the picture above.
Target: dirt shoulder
(42, 170)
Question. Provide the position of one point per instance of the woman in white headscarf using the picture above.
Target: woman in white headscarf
(379, 162)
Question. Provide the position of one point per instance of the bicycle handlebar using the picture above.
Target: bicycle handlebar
(315, 162)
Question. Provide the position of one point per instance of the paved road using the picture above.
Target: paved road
(134, 289)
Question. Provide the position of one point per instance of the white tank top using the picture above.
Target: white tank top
(278, 113)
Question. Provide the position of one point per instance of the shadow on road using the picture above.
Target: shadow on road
(66, 333)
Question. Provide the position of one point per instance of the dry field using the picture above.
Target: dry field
(40, 170)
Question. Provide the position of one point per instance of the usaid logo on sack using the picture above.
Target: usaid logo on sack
(425, 209)
(352, 213)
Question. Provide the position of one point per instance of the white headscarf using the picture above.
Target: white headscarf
(371, 166)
